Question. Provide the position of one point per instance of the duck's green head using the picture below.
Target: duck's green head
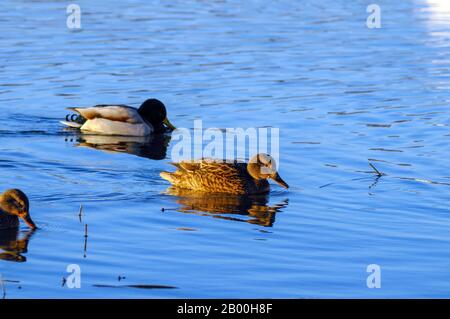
(263, 166)
(154, 111)
(15, 202)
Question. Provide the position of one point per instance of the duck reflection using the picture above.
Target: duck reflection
(13, 244)
(153, 146)
(252, 209)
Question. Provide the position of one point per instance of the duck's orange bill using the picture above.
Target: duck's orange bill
(280, 181)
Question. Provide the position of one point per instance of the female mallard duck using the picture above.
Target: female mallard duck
(121, 119)
(221, 177)
(14, 205)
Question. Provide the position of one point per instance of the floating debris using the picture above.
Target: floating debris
(85, 240)
(376, 171)
(80, 214)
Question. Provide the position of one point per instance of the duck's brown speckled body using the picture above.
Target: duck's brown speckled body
(238, 178)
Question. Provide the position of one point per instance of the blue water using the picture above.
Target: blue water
(343, 96)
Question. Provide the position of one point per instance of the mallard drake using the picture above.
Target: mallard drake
(121, 119)
(238, 178)
(14, 204)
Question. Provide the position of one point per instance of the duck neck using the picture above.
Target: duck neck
(254, 171)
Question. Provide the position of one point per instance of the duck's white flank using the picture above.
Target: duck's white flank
(113, 120)
(105, 126)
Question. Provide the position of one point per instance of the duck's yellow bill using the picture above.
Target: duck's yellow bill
(168, 124)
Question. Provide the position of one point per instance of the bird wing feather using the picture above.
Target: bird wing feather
(214, 170)
(207, 166)
(119, 113)
(209, 176)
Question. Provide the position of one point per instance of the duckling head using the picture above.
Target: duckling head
(263, 166)
(154, 111)
(15, 202)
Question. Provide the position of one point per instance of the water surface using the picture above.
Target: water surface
(342, 95)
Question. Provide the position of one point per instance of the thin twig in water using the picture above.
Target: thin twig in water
(81, 212)
(375, 182)
(375, 170)
(85, 239)
(343, 180)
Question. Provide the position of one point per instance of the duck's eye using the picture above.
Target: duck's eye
(20, 207)
(13, 203)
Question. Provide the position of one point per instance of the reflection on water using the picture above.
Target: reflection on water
(13, 244)
(153, 146)
(251, 209)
